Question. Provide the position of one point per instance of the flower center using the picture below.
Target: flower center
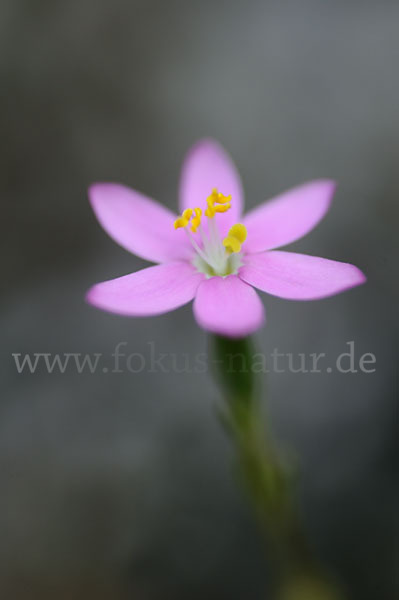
(213, 256)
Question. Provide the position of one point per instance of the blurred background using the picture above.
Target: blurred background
(121, 485)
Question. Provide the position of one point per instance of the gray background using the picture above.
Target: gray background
(120, 485)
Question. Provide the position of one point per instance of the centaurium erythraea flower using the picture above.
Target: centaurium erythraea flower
(211, 253)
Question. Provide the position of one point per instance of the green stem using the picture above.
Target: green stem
(270, 483)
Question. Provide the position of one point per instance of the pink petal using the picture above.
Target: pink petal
(138, 223)
(151, 291)
(298, 276)
(289, 216)
(207, 166)
(227, 306)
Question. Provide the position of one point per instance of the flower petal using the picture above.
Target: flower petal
(151, 291)
(207, 166)
(138, 223)
(228, 306)
(289, 216)
(298, 276)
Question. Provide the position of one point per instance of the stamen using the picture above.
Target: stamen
(196, 247)
(184, 219)
(196, 220)
(217, 203)
(215, 240)
(204, 238)
(215, 257)
(235, 238)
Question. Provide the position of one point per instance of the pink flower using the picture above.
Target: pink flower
(209, 256)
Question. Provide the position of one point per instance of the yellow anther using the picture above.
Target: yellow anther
(213, 197)
(223, 199)
(187, 213)
(235, 238)
(217, 203)
(239, 231)
(184, 219)
(223, 207)
(210, 211)
(231, 244)
(196, 220)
